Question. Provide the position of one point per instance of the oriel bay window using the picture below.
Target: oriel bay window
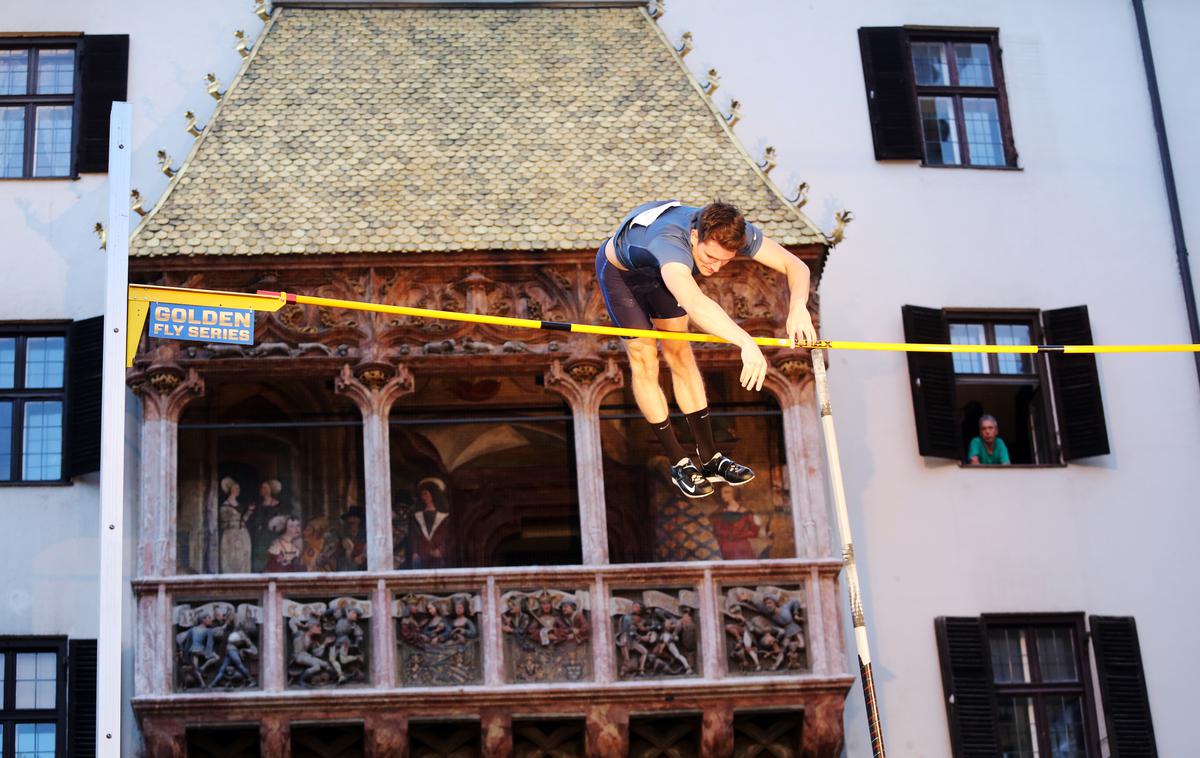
(650, 520)
(270, 480)
(483, 474)
(1048, 408)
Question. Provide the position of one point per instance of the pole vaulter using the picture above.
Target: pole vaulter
(142, 297)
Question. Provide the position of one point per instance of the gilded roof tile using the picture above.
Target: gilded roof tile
(369, 130)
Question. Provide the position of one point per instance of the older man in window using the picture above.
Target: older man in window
(988, 449)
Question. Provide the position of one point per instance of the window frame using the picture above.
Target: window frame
(1029, 623)
(10, 716)
(1039, 377)
(948, 36)
(30, 100)
(19, 396)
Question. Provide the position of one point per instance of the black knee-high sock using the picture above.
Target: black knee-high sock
(701, 426)
(666, 435)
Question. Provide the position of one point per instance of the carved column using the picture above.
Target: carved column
(791, 382)
(164, 389)
(164, 737)
(387, 735)
(716, 735)
(496, 725)
(585, 383)
(822, 735)
(607, 731)
(274, 735)
(374, 387)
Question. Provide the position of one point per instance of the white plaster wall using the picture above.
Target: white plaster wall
(53, 269)
(1084, 222)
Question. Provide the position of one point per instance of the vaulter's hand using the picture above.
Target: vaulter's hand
(800, 327)
(754, 367)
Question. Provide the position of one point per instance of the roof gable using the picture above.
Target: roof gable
(405, 130)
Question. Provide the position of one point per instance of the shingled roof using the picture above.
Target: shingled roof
(403, 130)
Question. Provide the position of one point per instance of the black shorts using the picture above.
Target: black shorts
(634, 298)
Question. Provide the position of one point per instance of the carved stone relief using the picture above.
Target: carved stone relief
(547, 636)
(328, 643)
(216, 645)
(765, 629)
(438, 637)
(656, 633)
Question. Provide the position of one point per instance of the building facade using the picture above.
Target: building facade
(370, 533)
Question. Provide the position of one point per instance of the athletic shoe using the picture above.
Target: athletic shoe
(724, 469)
(689, 480)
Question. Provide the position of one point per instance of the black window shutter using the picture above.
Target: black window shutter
(1076, 384)
(104, 69)
(81, 698)
(1123, 687)
(932, 379)
(83, 396)
(967, 681)
(890, 101)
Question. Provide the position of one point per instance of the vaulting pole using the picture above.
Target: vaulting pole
(843, 521)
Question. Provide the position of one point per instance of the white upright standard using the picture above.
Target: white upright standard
(112, 440)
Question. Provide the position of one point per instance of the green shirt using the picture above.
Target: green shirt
(999, 454)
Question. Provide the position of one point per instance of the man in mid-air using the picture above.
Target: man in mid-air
(646, 271)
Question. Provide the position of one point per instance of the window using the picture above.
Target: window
(55, 98)
(32, 403)
(937, 95)
(32, 697)
(650, 521)
(1047, 408)
(1020, 686)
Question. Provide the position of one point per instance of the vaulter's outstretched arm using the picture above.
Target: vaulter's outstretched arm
(713, 319)
(799, 322)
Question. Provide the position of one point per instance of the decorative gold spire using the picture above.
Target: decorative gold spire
(164, 163)
(656, 9)
(842, 218)
(98, 229)
(801, 196)
(191, 127)
(768, 160)
(242, 48)
(261, 10)
(685, 44)
(712, 82)
(214, 87)
(735, 113)
(136, 207)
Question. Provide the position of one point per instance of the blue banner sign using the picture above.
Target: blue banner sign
(203, 323)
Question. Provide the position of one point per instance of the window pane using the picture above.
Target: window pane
(56, 72)
(1013, 334)
(982, 118)
(969, 334)
(52, 141)
(941, 132)
(1064, 714)
(35, 740)
(1056, 654)
(1018, 727)
(36, 680)
(12, 141)
(8, 362)
(6, 409)
(974, 64)
(14, 72)
(929, 63)
(1010, 657)
(42, 454)
(44, 362)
